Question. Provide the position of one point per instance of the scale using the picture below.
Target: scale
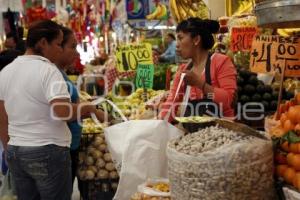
(278, 13)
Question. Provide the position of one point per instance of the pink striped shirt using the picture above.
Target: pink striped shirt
(223, 80)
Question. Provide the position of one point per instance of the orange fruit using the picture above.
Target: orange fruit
(280, 158)
(296, 162)
(288, 126)
(283, 118)
(280, 170)
(294, 148)
(289, 159)
(296, 181)
(289, 175)
(297, 128)
(287, 105)
(294, 114)
(285, 146)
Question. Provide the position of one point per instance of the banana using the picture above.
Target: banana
(174, 11)
(163, 12)
(182, 13)
(245, 7)
(287, 32)
(156, 12)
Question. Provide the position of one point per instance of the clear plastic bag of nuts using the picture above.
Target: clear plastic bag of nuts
(216, 163)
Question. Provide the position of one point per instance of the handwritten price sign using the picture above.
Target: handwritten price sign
(273, 53)
(144, 77)
(241, 38)
(130, 56)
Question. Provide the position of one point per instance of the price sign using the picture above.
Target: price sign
(241, 38)
(273, 53)
(144, 76)
(130, 56)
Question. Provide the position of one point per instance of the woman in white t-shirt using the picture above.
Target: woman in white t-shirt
(34, 107)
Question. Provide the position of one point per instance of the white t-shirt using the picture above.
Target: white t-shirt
(27, 85)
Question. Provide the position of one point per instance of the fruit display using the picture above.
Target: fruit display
(96, 162)
(218, 163)
(288, 117)
(84, 96)
(287, 159)
(250, 89)
(89, 126)
(184, 9)
(134, 105)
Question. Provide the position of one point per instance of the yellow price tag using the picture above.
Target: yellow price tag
(130, 56)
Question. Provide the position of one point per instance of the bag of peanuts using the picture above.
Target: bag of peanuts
(218, 163)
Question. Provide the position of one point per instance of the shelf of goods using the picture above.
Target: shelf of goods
(98, 177)
(278, 13)
(256, 94)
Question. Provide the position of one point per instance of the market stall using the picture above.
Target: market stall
(139, 157)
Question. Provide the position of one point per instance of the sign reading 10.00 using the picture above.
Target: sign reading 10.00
(130, 56)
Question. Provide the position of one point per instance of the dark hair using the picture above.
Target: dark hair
(12, 35)
(171, 35)
(42, 29)
(67, 33)
(205, 28)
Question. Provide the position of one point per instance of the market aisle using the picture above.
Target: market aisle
(76, 194)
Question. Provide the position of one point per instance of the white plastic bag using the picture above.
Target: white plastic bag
(145, 189)
(139, 147)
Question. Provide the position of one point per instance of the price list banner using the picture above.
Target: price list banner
(273, 53)
(144, 77)
(241, 38)
(130, 56)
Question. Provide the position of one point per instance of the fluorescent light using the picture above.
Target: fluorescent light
(161, 27)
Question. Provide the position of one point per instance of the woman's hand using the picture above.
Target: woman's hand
(193, 79)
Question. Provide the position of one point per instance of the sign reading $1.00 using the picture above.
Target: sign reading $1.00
(130, 56)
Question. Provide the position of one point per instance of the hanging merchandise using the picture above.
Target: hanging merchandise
(159, 12)
(35, 13)
(10, 20)
(62, 16)
(183, 9)
(136, 9)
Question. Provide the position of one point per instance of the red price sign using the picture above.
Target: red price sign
(241, 38)
(273, 53)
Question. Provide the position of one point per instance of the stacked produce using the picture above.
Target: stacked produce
(250, 89)
(96, 162)
(217, 163)
(285, 132)
(288, 117)
(89, 126)
(134, 105)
